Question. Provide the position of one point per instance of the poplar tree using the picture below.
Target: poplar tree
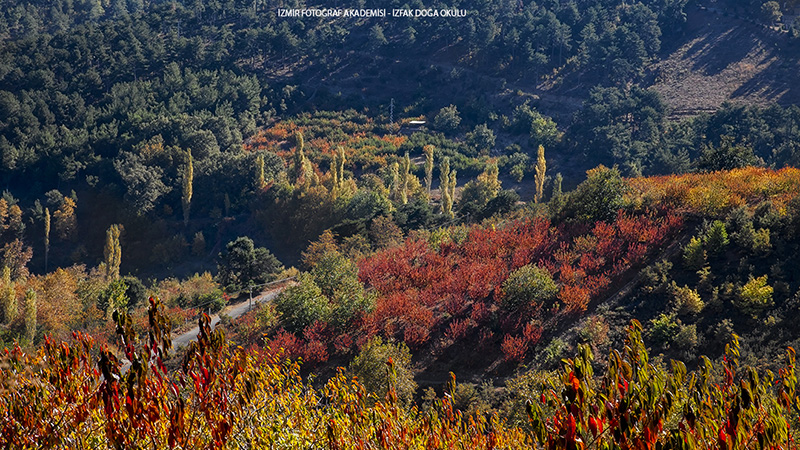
(428, 150)
(261, 181)
(8, 296)
(65, 220)
(15, 224)
(541, 167)
(490, 177)
(188, 178)
(302, 166)
(30, 315)
(46, 236)
(113, 252)
(444, 181)
(3, 216)
(340, 166)
(396, 195)
(405, 175)
(556, 197)
(452, 194)
(337, 168)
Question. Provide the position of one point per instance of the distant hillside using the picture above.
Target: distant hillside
(727, 57)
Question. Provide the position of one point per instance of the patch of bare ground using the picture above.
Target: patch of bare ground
(727, 58)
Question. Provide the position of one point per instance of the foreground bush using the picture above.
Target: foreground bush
(72, 395)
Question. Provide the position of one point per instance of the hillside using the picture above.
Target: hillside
(224, 396)
(516, 224)
(726, 57)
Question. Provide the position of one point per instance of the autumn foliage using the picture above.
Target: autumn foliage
(74, 395)
(717, 192)
(420, 281)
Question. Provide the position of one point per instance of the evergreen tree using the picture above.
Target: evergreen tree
(242, 264)
(198, 244)
(447, 119)
(112, 252)
(541, 167)
(694, 255)
(716, 238)
(376, 37)
(188, 178)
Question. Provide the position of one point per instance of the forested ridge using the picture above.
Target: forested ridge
(553, 259)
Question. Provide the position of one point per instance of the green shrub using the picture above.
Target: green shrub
(301, 305)
(686, 338)
(373, 372)
(686, 300)
(663, 330)
(655, 278)
(755, 296)
(599, 197)
(528, 285)
(694, 255)
(716, 238)
(212, 301)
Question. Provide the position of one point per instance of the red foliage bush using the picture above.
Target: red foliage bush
(458, 328)
(514, 348)
(291, 345)
(532, 333)
(417, 282)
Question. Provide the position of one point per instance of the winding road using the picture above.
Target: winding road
(233, 311)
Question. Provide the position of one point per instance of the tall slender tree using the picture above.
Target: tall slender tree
(447, 178)
(337, 167)
(30, 315)
(490, 177)
(428, 150)
(301, 163)
(395, 171)
(541, 167)
(261, 181)
(46, 236)
(8, 297)
(451, 185)
(404, 176)
(112, 252)
(556, 196)
(188, 179)
(340, 165)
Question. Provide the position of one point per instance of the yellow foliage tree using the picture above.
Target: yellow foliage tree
(112, 252)
(188, 179)
(541, 167)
